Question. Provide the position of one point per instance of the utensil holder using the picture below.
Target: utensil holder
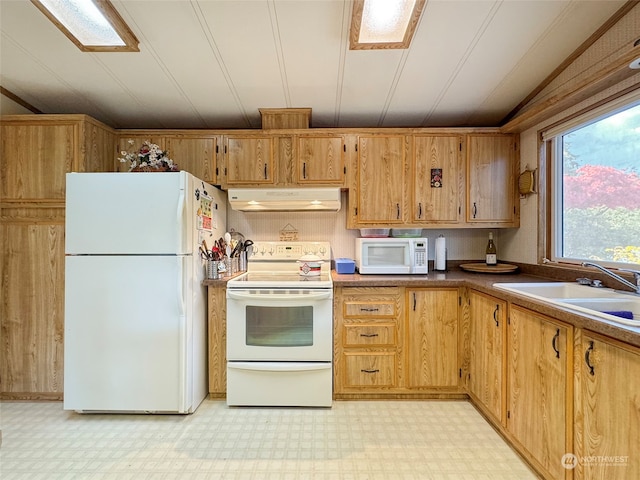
(228, 267)
(242, 264)
(212, 270)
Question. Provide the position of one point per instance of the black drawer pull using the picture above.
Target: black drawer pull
(368, 334)
(587, 358)
(554, 343)
(369, 371)
(370, 309)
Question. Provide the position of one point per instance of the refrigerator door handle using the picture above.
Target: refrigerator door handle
(182, 329)
(179, 221)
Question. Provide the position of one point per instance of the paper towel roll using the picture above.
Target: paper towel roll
(440, 262)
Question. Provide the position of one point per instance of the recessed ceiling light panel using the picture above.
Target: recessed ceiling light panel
(93, 25)
(384, 24)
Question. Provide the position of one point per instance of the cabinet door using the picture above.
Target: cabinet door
(539, 373)
(249, 160)
(491, 179)
(380, 179)
(608, 438)
(437, 179)
(321, 160)
(194, 155)
(34, 159)
(217, 334)
(32, 307)
(486, 345)
(432, 337)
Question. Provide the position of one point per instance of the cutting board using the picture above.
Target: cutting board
(484, 268)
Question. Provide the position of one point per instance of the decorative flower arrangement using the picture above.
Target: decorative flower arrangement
(148, 159)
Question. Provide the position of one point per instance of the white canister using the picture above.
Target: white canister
(310, 265)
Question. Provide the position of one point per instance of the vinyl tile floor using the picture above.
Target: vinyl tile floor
(352, 440)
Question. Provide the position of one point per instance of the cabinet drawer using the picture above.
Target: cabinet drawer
(371, 370)
(364, 335)
(378, 308)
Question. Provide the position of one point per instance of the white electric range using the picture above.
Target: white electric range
(280, 329)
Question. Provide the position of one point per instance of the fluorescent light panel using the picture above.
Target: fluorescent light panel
(384, 24)
(91, 25)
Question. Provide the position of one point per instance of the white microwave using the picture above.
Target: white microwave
(392, 255)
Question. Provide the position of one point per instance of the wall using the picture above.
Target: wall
(462, 244)
(9, 107)
(520, 245)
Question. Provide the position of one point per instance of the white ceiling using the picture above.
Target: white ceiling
(214, 63)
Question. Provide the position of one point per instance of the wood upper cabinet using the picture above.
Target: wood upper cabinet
(37, 151)
(249, 160)
(432, 354)
(539, 397)
(378, 193)
(437, 179)
(607, 409)
(193, 153)
(196, 155)
(368, 332)
(320, 159)
(487, 327)
(492, 166)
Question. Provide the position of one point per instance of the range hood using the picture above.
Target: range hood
(284, 199)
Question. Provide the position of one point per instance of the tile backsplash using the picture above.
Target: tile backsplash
(462, 244)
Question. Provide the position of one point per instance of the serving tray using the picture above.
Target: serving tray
(484, 268)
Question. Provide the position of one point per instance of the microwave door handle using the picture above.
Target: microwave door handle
(278, 296)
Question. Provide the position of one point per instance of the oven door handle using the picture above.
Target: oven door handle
(279, 366)
(278, 296)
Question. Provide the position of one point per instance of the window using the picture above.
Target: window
(596, 188)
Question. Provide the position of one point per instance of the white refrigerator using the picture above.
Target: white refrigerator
(135, 335)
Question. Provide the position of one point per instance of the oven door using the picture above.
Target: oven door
(280, 325)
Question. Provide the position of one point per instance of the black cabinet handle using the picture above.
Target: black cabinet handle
(414, 302)
(369, 309)
(265, 172)
(368, 335)
(304, 170)
(587, 358)
(475, 210)
(398, 211)
(420, 210)
(495, 315)
(554, 343)
(369, 371)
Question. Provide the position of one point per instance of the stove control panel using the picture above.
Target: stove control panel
(266, 251)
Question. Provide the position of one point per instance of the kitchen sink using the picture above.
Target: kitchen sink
(582, 298)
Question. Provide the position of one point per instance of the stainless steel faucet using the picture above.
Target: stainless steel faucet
(636, 275)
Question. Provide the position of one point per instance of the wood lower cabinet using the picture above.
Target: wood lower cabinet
(432, 354)
(368, 331)
(487, 327)
(539, 389)
(217, 336)
(607, 405)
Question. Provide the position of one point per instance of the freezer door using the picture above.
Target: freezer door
(129, 213)
(129, 335)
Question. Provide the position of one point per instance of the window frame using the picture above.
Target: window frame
(550, 153)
